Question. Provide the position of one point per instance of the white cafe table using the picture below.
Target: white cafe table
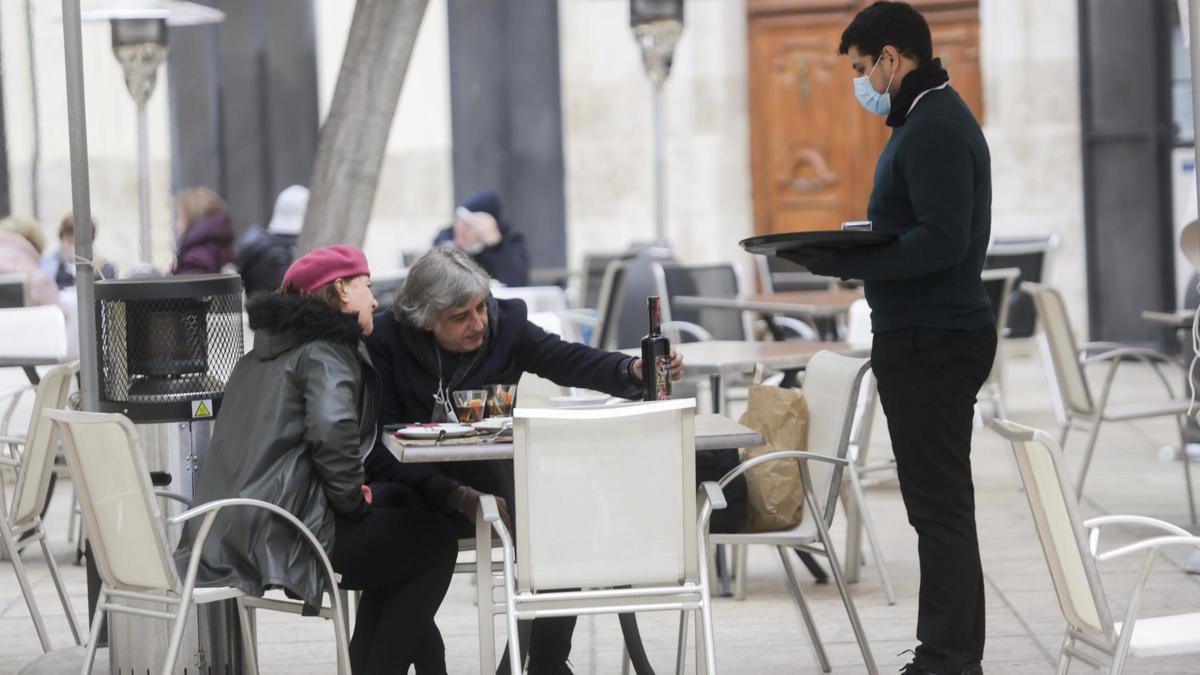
(720, 359)
(713, 432)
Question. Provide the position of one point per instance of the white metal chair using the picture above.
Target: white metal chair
(1080, 409)
(23, 518)
(1071, 546)
(129, 539)
(623, 478)
(999, 284)
(831, 390)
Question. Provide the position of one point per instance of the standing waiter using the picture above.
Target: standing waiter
(935, 337)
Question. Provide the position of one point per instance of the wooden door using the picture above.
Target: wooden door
(813, 148)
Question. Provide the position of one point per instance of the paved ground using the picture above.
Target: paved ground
(763, 634)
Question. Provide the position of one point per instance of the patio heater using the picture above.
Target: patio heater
(167, 346)
(657, 25)
(139, 42)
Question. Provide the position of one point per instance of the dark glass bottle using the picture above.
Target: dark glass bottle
(656, 357)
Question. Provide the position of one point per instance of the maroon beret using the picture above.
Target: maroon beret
(324, 265)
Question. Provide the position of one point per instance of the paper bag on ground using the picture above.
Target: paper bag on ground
(775, 497)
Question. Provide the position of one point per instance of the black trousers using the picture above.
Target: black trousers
(402, 561)
(928, 380)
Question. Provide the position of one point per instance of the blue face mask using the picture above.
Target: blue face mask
(876, 103)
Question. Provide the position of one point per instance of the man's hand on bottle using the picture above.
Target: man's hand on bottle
(466, 501)
(676, 366)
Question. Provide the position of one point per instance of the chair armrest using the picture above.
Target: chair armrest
(1153, 544)
(1094, 525)
(1126, 352)
(489, 509)
(9, 461)
(776, 456)
(173, 496)
(694, 330)
(800, 328)
(12, 440)
(714, 494)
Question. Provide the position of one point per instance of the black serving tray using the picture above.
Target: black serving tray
(781, 244)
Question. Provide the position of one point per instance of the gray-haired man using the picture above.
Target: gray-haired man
(446, 332)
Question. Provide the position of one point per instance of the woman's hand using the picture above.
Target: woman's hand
(676, 366)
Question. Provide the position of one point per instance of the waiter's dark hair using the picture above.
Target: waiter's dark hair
(889, 23)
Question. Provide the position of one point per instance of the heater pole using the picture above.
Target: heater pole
(81, 205)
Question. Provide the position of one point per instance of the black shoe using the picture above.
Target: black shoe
(914, 667)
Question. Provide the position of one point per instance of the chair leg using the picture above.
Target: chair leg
(836, 568)
(484, 599)
(741, 569)
(805, 613)
(249, 648)
(1064, 656)
(89, 657)
(10, 545)
(177, 628)
(680, 654)
(1064, 431)
(73, 517)
(865, 516)
(60, 587)
(1087, 457)
(1187, 482)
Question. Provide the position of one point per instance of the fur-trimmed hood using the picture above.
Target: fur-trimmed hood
(291, 320)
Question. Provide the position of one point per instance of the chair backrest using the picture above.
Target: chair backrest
(37, 461)
(832, 384)
(605, 496)
(778, 275)
(1031, 255)
(38, 332)
(595, 270)
(609, 306)
(858, 325)
(121, 516)
(998, 283)
(1056, 516)
(1064, 350)
(14, 290)
(710, 281)
(638, 283)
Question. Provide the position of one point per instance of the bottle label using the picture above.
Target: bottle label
(662, 378)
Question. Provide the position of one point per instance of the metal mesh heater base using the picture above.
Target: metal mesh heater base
(166, 343)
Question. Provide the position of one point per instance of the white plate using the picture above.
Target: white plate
(435, 430)
(492, 423)
(578, 400)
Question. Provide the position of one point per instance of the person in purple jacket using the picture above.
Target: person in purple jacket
(204, 231)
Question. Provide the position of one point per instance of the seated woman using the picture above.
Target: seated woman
(296, 423)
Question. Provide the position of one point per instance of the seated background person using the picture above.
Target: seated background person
(445, 333)
(298, 417)
(60, 265)
(481, 232)
(263, 256)
(21, 245)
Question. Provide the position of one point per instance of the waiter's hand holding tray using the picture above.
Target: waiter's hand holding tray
(793, 245)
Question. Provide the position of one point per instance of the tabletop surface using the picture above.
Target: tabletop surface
(804, 303)
(725, 356)
(22, 361)
(713, 432)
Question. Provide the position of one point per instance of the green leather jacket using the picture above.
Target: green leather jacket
(296, 422)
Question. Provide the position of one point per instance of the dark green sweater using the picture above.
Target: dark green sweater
(933, 187)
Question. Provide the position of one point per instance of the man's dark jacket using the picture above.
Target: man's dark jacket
(406, 359)
(297, 420)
